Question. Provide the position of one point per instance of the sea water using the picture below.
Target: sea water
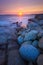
(14, 18)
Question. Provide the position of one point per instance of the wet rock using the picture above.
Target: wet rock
(40, 59)
(41, 22)
(39, 16)
(41, 43)
(40, 34)
(35, 43)
(32, 20)
(27, 42)
(32, 25)
(20, 40)
(28, 52)
(19, 33)
(23, 33)
(28, 30)
(31, 35)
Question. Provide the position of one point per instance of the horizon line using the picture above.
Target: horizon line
(22, 14)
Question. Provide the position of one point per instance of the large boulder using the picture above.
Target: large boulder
(28, 52)
(31, 35)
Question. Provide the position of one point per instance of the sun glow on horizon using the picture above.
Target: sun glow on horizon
(20, 13)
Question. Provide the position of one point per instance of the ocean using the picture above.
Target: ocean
(14, 18)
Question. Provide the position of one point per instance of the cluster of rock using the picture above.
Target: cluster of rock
(25, 45)
(31, 42)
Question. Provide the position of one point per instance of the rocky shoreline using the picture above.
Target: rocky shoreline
(25, 45)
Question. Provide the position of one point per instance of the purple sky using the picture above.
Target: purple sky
(26, 6)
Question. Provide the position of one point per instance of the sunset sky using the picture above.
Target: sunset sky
(24, 6)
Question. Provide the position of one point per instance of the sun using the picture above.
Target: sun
(20, 13)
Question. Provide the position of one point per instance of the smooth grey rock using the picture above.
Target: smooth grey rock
(32, 35)
(40, 59)
(20, 40)
(40, 33)
(19, 33)
(41, 22)
(28, 30)
(29, 52)
(35, 43)
(32, 25)
(27, 42)
(23, 33)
